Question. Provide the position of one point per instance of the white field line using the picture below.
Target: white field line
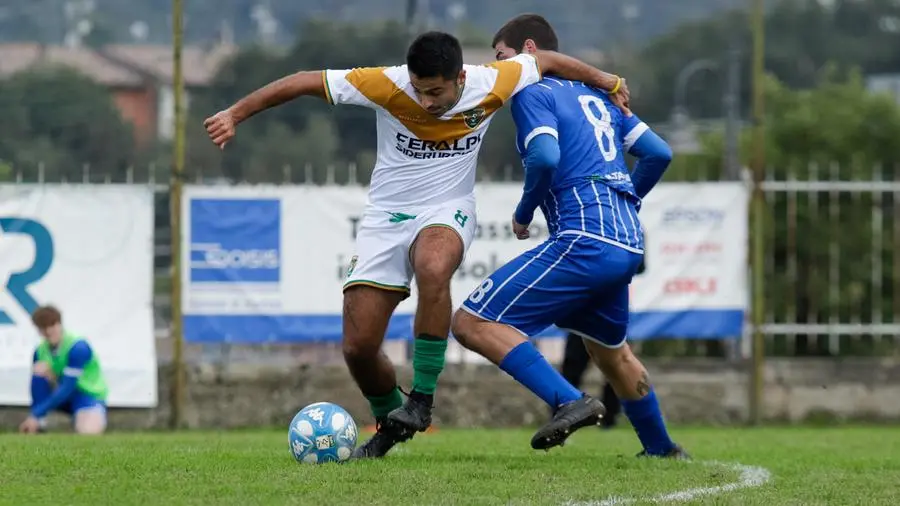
(750, 477)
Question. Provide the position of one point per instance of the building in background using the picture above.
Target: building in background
(139, 77)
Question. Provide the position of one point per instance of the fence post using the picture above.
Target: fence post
(178, 383)
(757, 211)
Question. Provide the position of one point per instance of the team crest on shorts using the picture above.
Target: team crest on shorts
(473, 116)
(352, 265)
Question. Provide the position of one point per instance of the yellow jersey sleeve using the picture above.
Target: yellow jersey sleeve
(367, 86)
(514, 74)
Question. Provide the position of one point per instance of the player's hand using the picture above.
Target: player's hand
(624, 92)
(520, 230)
(30, 426)
(220, 128)
(622, 103)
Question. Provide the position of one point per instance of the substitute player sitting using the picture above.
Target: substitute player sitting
(572, 138)
(66, 377)
(431, 116)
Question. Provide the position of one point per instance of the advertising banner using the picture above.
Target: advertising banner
(88, 250)
(266, 263)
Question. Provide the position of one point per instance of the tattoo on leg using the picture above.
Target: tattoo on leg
(643, 384)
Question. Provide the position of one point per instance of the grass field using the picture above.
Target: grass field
(793, 466)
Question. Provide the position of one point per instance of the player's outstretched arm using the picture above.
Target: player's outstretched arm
(552, 62)
(221, 127)
(278, 92)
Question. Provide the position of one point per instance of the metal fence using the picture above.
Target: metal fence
(833, 264)
(832, 269)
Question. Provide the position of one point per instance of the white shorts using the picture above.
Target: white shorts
(384, 239)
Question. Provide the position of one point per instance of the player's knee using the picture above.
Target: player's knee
(90, 422)
(436, 256)
(433, 275)
(606, 357)
(623, 358)
(616, 362)
(43, 370)
(462, 326)
(366, 314)
(91, 429)
(359, 349)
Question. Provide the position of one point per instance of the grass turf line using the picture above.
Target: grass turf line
(852, 465)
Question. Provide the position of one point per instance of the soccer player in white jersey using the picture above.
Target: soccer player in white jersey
(432, 115)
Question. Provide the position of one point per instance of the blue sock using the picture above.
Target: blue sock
(647, 420)
(526, 364)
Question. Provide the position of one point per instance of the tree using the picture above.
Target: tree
(802, 39)
(311, 131)
(835, 131)
(838, 123)
(282, 154)
(6, 171)
(64, 120)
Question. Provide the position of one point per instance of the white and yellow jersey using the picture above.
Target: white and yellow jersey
(426, 160)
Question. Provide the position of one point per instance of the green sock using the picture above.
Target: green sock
(428, 362)
(381, 405)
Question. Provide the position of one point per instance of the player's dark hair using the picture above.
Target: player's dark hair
(527, 26)
(46, 316)
(435, 54)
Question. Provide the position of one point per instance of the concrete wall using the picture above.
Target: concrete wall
(692, 391)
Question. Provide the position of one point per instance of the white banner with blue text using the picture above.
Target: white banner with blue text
(88, 250)
(267, 263)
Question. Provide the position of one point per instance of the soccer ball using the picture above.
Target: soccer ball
(322, 432)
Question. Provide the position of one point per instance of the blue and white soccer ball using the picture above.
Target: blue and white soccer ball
(322, 432)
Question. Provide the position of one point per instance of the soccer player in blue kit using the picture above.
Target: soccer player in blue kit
(572, 139)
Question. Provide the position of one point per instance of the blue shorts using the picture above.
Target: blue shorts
(575, 282)
(81, 400)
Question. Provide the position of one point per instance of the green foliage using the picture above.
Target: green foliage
(836, 124)
(802, 38)
(828, 253)
(63, 120)
(45, 20)
(281, 148)
(6, 171)
(804, 41)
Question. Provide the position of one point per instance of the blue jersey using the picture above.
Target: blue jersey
(591, 192)
(572, 139)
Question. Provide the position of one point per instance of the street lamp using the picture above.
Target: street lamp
(684, 137)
